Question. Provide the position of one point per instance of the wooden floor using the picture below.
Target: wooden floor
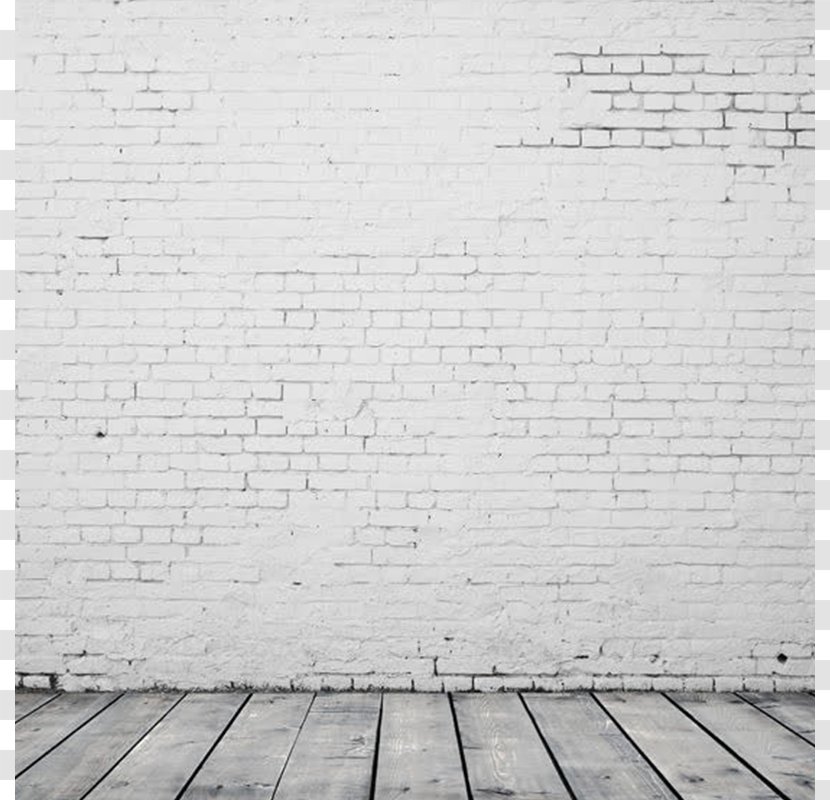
(603, 746)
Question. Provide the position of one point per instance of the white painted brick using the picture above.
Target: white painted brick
(429, 360)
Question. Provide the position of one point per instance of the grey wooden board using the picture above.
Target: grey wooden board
(47, 727)
(332, 759)
(596, 758)
(72, 769)
(27, 702)
(251, 756)
(418, 755)
(795, 711)
(505, 756)
(160, 765)
(783, 758)
(693, 763)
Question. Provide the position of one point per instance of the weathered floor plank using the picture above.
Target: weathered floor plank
(333, 756)
(783, 758)
(35, 735)
(73, 768)
(595, 757)
(164, 760)
(252, 754)
(696, 766)
(795, 711)
(418, 756)
(504, 755)
(27, 702)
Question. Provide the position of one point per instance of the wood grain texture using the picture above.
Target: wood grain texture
(593, 754)
(783, 758)
(504, 755)
(418, 755)
(796, 711)
(231, 747)
(164, 760)
(72, 769)
(37, 734)
(693, 763)
(333, 756)
(27, 702)
(252, 754)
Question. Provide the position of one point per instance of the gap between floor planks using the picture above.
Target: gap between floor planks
(529, 746)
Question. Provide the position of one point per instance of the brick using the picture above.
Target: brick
(719, 66)
(657, 139)
(728, 84)
(662, 83)
(626, 101)
(657, 64)
(689, 64)
(658, 102)
(768, 122)
(800, 122)
(750, 102)
(594, 65)
(596, 138)
(720, 101)
(626, 138)
(626, 64)
(688, 102)
(687, 138)
(692, 119)
(781, 102)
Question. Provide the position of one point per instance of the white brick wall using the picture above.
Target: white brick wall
(439, 343)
